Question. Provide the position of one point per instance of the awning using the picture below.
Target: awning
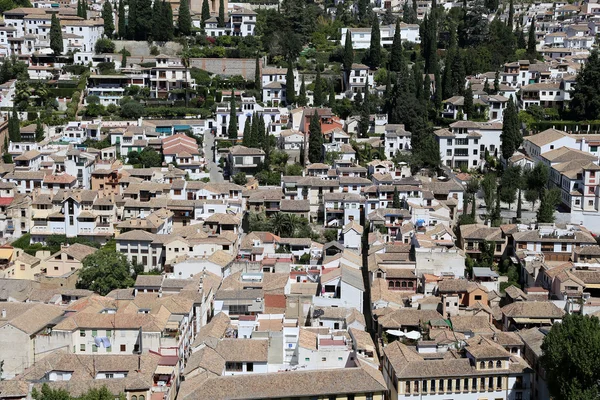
(592, 285)
(6, 254)
(164, 370)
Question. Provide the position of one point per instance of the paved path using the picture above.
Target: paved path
(209, 141)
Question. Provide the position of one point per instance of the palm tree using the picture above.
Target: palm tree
(295, 222)
(280, 223)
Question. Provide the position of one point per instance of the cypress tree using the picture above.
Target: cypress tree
(205, 12)
(468, 107)
(56, 40)
(302, 100)
(257, 78)
(123, 58)
(396, 199)
(396, 56)
(232, 129)
(521, 43)
(497, 82)
(511, 15)
(365, 113)
(143, 15)
(348, 57)
(122, 26)
(39, 131)
(290, 92)
(157, 21)
(168, 20)
(184, 22)
(511, 136)
(109, 22)
(318, 93)
(438, 91)
(426, 89)
(132, 19)
(79, 8)
(247, 139)
(331, 101)
(374, 59)
(532, 42)
(315, 144)
(14, 127)
(84, 9)
(221, 14)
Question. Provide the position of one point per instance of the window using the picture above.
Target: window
(249, 367)
(499, 247)
(498, 364)
(323, 359)
(81, 333)
(490, 364)
(449, 152)
(482, 364)
(307, 359)
(233, 366)
(123, 348)
(478, 297)
(593, 149)
(82, 347)
(449, 142)
(499, 382)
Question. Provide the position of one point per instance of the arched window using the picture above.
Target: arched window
(410, 284)
(482, 365)
(134, 397)
(142, 397)
(490, 364)
(391, 284)
(403, 283)
(397, 284)
(498, 364)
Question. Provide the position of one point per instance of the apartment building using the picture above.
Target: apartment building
(465, 143)
(361, 37)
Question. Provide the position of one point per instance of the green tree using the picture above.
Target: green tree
(396, 199)
(107, 16)
(290, 92)
(84, 7)
(315, 144)
(122, 21)
(318, 96)
(570, 354)
(184, 21)
(509, 184)
(365, 114)
(150, 158)
(511, 15)
(302, 99)
(257, 77)
(348, 56)
(132, 110)
(221, 14)
(489, 186)
(585, 99)
(532, 42)
(247, 138)
(14, 127)
(104, 45)
(511, 134)
(104, 271)
(468, 107)
(548, 202)
(396, 55)
(232, 129)
(374, 55)
(47, 393)
(239, 178)
(205, 12)
(56, 39)
(39, 131)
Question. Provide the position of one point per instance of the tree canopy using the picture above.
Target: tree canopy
(571, 351)
(104, 271)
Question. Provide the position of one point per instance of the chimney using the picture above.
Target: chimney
(3, 313)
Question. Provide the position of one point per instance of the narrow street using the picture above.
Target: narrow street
(215, 174)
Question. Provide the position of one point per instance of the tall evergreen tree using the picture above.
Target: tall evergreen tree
(396, 55)
(143, 18)
(247, 139)
(365, 113)
(232, 129)
(39, 131)
(429, 42)
(79, 8)
(438, 91)
(257, 77)
(348, 57)
(511, 15)
(532, 42)
(447, 79)
(585, 99)
(521, 43)
(497, 82)
(511, 136)
(221, 14)
(290, 91)
(302, 100)
(331, 100)
(426, 89)
(84, 7)
(205, 12)
(318, 97)
(168, 22)
(184, 21)
(315, 144)
(14, 127)
(396, 199)
(56, 39)
(468, 107)
(132, 19)
(109, 21)
(157, 21)
(374, 55)
(122, 21)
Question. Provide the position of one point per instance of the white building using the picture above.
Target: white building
(465, 143)
(361, 37)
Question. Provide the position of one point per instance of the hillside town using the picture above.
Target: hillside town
(288, 199)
